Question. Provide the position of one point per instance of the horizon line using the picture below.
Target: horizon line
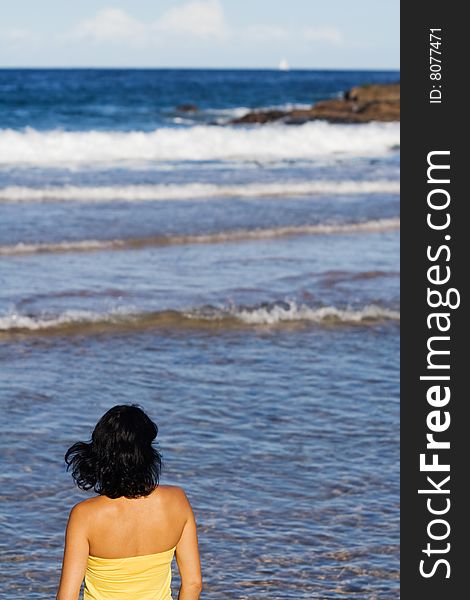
(180, 68)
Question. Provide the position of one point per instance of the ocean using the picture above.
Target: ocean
(241, 283)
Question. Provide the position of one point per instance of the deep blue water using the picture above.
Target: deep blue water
(144, 99)
(241, 283)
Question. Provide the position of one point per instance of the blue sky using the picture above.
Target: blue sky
(201, 33)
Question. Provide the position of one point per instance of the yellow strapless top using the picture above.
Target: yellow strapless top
(146, 577)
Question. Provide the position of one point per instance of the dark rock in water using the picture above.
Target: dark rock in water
(261, 116)
(188, 108)
(377, 102)
(374, 93)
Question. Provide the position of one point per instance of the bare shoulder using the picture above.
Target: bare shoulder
(175, 495)
(86, 509)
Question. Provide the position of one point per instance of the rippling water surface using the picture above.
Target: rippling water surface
(241, 284)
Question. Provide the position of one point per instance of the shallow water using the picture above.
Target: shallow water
(285, 442)
(248, 299)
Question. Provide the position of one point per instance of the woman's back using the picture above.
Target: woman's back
(132, 542)
(123, 540)
(127, 527)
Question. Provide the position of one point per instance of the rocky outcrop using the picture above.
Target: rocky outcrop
(377, 102)
(261, 116)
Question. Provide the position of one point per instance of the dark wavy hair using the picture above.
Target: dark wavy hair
(120, 459)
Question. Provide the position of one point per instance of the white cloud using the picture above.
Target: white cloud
(190, 22)
(329, 35)
(110, 24)
(201, 18)
(262, 33)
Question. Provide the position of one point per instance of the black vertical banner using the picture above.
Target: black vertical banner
(435, 435)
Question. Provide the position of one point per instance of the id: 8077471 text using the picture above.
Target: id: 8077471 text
(435, 66)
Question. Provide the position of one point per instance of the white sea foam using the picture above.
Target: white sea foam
(225, 114)
(272, 314)
(43, 247)
(266, 143)
(19, 322)
(290, 311)
(189, 191)
(208, 238)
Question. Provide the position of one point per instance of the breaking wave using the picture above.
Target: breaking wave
(269, 314)
(198, 143)
(191, 191)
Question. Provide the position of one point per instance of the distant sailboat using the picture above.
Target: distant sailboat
(283, 65)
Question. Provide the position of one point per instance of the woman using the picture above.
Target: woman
(123, 540)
